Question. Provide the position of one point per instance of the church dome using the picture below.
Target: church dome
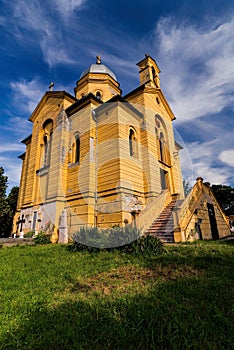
(98, 68)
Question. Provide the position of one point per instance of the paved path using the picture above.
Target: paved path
(15, 241)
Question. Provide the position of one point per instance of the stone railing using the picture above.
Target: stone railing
(189, 205)
(152, 211)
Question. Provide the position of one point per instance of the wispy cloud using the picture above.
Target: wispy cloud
(27, 93)
(197, 76)
(214, 175)
(44, 20)
(204, 158)
(68, 7)
(12, 170)
(2, 20)
(123, 65)
(11, 147)
(197, 66)
(17, 126)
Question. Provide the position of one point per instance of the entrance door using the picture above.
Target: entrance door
(213, 222)
(164, 179)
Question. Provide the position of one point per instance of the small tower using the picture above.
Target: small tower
(149, 71)
(98, 80)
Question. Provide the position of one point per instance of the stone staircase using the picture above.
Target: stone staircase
(163, 226)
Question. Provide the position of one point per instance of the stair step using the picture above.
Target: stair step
(163, 226)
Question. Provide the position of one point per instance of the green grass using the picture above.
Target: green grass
(51, 298)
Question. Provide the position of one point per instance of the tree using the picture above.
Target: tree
(7, 205)
(187, 187)
(11, 206)
(12, 198)
(225, 196)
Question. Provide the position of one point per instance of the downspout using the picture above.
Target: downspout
(96, 170)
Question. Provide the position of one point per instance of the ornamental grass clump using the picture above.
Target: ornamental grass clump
(126, 239)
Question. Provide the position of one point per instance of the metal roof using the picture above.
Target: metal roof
(98, 68)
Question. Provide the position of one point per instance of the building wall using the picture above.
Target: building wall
(109, 179)
(40, 184)
(81, 176)
(152, 103)
(120, 175)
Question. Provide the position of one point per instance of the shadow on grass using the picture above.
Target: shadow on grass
(187, 313)
(228, 242)
(187, 305)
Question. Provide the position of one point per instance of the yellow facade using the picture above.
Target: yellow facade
(98, 155)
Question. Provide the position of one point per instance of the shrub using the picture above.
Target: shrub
(29, 234)
(126, 239)
(95, 239)
(147, 245)
(42, 238)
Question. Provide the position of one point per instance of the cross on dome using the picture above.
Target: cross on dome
(98, 59)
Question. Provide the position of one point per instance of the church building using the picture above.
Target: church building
(102, 159)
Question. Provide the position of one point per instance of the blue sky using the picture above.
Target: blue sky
(192, 42)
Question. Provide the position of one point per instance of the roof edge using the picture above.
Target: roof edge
(81, 102)
(27, 139)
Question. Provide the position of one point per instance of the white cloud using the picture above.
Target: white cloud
(202, 150)
(17, 126)
(27, 94)
(197, 66)
(11, 147)
(53, 51)
(211, 174)
(227, 157)
(197, 76)
(12, 170)
(204, 163)
(12, 166)
(66, 7)
(124, 65)
(41, 18)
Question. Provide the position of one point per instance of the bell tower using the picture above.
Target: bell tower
(149, 72)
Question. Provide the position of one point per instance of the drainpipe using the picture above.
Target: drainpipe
(96, 170)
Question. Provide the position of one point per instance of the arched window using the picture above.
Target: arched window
(162, 141)
(77, 149)
(45, 150)
(47, 133)
(50, 146)
(153, 71)
(132, 143)
(99, 95)
(161, 147)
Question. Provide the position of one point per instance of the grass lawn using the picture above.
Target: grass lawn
(51, 298)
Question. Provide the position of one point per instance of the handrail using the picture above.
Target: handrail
(189, 205)
(153, 210)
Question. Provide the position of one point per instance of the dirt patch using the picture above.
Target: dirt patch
(173, 271)
(126, 277)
